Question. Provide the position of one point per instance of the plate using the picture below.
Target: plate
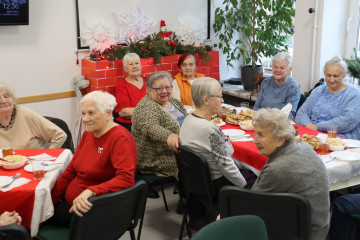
(326, 158)
(221, 124)
(346, 155)
(50, 167)
(4, 180)
(233, 133)
(351, 143)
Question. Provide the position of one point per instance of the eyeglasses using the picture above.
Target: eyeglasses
(5, 98)
(160, 90)
(219, 97)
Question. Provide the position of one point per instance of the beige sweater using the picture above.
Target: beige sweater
(32, 131)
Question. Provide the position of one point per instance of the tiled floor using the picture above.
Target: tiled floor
(159, 224)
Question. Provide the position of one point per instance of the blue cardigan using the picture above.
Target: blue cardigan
(348, 119)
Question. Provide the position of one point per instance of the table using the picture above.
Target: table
(33, 199)
(234, 94)
(341, 174)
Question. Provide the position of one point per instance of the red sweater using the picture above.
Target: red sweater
(105, 164)
(127, 96)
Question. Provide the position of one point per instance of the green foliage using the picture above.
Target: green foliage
(153, 46)
(353, 67)
(262, 24)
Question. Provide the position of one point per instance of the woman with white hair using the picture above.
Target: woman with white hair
(22, 128)
(279, 89)
(129, 90)
(292, 167)
(104, 161)
(334, 103)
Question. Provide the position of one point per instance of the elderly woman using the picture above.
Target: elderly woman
(185, 78)
(280, 89)
(292, 167)
(333, 103)
(130, 90)
(156, 125)
(24, 129)
(104, 161)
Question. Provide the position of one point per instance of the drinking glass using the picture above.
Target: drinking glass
(244, 105)
(38, 169)
(323, 148)
(332, 130)
(7, 150)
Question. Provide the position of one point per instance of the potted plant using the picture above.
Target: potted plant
(251, 29)
(353, 67)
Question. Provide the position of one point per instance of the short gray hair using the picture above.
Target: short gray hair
(283, 56)
(156, 76)
(104, 101)
(9, 90)
(276, 121)
(128, 57)
(337, 60)
(202, 87)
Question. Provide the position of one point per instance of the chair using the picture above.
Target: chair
(14, 232)
(301, 101)
(356, 225)
(156, 181)
(110, 217)
(69, 144)
(286, 215)
(234, 228)
(195, 174)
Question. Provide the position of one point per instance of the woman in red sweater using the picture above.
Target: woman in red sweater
(104, 161)
(129, 90)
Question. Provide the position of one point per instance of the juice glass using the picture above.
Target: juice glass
(323, 148)
(38, 169)
(7, 150)
(332, 130)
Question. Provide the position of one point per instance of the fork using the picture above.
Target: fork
(13, 179)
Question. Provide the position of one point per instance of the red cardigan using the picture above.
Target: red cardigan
(105, 164)
(127, 96)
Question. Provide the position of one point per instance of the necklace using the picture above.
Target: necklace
(12, 120)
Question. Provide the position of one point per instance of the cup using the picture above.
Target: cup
(222, 116)
(323, 148)
(332, 130)
(244, 105)
(7, 150)
(38, 169)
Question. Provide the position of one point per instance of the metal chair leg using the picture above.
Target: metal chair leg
(164, 198)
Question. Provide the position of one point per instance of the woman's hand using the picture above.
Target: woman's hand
(311, 126)
(173, 141)
(81, 204)
(10, 218)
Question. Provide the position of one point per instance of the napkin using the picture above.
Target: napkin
(287, 109)
(18, 182)
(244, 138)
(322, 136)
(42, 157)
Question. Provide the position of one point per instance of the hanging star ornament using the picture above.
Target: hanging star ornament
(190, 30)
(98, 36)
(134, 25)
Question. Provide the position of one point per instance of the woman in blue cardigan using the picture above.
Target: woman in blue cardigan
(333, 103)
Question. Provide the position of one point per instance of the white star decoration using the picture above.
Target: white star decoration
(98, 37)
(133, 25)
(190, 30)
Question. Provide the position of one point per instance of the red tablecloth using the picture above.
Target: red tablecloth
(247, 151)
(21, 199)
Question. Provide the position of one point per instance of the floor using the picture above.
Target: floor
(159, 224)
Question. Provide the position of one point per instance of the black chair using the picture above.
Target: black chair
(286, 215)
(301, 101)
(14, 232)
(156, 181)
(234, 228)
(110, 217)
(195, 175)
(69, 144)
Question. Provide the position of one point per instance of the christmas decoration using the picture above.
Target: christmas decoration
(98, 36)
(190, 30)
(133, 25)
(164, 33)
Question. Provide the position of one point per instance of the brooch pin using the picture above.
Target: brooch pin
(100, 149)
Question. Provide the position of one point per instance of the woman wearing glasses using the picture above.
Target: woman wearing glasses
(156, 123)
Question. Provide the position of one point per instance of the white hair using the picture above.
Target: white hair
(104, 101)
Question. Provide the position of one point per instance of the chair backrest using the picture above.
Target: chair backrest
(69, 144)
(286, 215)
(194, 172)
(111, 215)
(14, 232)
(245, 227)
(301, 101)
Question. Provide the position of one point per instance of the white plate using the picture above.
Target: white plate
(222, 123)
(351, 143)
(346, 155)
(4, 180)
(233, 133)
(326, 158)
(50, 167)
